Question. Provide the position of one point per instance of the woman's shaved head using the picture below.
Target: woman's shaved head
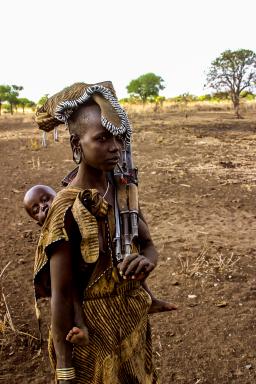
(83, 117)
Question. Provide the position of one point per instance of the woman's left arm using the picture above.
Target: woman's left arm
(62, 312)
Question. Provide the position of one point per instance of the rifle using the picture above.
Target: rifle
(126, 204)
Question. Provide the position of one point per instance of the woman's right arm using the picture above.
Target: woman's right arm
(62, 312)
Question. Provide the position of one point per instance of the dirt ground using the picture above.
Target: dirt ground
(197, 190)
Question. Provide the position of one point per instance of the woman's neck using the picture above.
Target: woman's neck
(88, 177)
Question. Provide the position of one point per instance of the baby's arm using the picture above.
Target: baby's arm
(79, 318)
(79, 333)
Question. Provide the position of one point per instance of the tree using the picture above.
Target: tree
(146, 86)
(42, 100)
(12, 95)
(185, 98)
(23, 102)
(206, 97)
(4, 91)
(233, 72)
(220, 96)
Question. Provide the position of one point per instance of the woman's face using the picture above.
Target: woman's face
(100, 148)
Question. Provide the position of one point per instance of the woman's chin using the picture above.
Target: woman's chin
(109, 166)
(109, 169)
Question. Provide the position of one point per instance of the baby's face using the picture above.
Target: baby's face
(38, 201)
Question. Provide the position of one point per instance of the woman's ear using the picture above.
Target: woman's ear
(76, 148)
(74, 141)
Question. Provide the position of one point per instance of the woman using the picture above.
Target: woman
(76, 250)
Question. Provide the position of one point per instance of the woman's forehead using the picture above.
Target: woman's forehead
(94, 127)
(98, 129)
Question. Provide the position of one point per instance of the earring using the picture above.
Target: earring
(77, 155)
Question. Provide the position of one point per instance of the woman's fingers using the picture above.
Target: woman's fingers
(144, 266)
(135, 265)
(140, 266)
(140, 276)
(125, 263)
(149, 267)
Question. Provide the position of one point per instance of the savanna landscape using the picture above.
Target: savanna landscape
(197, 182)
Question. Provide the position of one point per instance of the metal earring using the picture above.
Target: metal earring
(77, 155)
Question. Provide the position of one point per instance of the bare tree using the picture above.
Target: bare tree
(233, 72)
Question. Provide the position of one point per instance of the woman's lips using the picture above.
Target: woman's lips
(113, 160)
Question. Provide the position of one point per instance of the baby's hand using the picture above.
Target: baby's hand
(135, 266)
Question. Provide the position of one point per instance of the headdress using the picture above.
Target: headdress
(59, 107)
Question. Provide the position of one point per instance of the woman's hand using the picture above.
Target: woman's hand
(135, 266)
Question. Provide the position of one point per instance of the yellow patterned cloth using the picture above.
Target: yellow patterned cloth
(120, 350)
(54, 230)
(116, 310)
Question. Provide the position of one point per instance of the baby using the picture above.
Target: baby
(37, 202)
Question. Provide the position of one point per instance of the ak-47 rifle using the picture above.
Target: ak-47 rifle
(126, 204)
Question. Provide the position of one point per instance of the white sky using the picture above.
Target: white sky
(50, 44)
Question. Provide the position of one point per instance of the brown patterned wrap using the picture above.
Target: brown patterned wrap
(59, 107)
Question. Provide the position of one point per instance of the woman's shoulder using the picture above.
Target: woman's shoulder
(65, 196)
(68, 192)
(62, 202)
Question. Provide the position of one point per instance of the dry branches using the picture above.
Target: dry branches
(7, 321)
(206, 265)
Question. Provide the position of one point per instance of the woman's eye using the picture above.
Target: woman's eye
(102, 138)
(119, 138)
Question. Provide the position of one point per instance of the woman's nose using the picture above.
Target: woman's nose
(115, 145)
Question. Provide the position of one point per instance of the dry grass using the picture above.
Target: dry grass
(34, 144)
(7, 324)
(208, 266)
(186, 108)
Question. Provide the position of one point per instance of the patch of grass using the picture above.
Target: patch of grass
(7, 326)
(34, 144)
(208, 266)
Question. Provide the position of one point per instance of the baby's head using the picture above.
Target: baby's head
(37, 202)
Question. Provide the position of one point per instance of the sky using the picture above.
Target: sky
(48, 45)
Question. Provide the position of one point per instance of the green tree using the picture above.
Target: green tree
(206, 97)
(42, 100)
(248, 95)
(233, 72)
(220, 96)
(185, 98)
(4, 91)
(12, 95)
(146, 86)
(6, 108)
(23, 102)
